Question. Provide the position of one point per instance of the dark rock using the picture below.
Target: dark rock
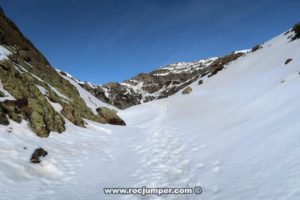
(286, 32)
(3, 118)
(256, 47)
(63, 73)
(288, 61)
(13, 108)
(200, 82)
(2, 94)
(37, 155)
(215, 71)
(296, 29)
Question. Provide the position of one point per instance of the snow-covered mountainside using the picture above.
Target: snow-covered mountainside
(236, 135)
(160, 83)
(31, 90)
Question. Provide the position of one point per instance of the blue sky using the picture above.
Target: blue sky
(112, 40)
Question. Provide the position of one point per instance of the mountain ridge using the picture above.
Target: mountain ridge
(40, 95)
(33, 90)
(159, 83)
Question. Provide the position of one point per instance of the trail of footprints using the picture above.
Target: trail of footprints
(165, 160)
(163, 157)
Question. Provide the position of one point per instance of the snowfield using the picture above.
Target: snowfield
(237, 136)
(4, 52)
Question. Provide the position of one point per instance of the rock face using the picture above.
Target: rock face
(37, 155)
(14, 108)
(28, 77)
(160, 83)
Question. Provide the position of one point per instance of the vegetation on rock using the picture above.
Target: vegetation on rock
(23, 72)
(110, 116)
(187, 90)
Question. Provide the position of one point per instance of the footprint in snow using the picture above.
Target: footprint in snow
(216, 166)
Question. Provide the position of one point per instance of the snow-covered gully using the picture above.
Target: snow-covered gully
(236, 135)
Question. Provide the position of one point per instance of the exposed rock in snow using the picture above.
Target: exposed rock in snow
(37, 155)
(236, 136)
(187, 90)
(110, 116)
(160, 83)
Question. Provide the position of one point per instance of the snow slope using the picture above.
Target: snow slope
(236, 135)
(3, 52)
(90, 100)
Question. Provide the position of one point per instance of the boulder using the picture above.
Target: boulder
(110, 116)
(37, 155)
(256, 47)
(288, 61)
(187, 90)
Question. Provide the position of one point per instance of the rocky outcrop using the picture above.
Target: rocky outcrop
(187, 90)
(14, 108)
(110, 116)
(37, 155)
(29, 78)
(160, 83)
(256, 47)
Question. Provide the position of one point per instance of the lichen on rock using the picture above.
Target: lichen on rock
(187, 90)
(110, 116)
(20, 74)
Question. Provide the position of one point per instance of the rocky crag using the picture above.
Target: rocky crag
(160, 83)
(32, 90)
